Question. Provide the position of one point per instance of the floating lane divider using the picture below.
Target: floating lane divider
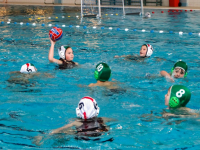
(98, 28)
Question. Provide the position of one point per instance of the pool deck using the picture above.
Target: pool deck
(109, 6)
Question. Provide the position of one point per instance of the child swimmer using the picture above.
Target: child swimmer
(178, 71)
(88, 123)
(28, 68)
(66, 56)
(27, 71)
(145, 52)
(176, 99)
(102, 74)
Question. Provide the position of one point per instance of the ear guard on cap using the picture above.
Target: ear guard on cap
(62, 51)
(149, 50)
(174, 102)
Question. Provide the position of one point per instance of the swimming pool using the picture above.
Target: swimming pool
(37, 105)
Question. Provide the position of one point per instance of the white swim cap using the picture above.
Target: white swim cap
(62, 51)
(28, 68)
(87, 108)
(147, 14)
(149, 50)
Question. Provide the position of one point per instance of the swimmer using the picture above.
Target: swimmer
(86, 125)
(28, 68)
(147, 15)
(22, 77)
(102, 74)
(178, 71)
(66, 56)
(145, 52)
(176, 99)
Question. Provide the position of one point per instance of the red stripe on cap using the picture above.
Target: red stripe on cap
(27, 65)
(85, 117)
(88, 98)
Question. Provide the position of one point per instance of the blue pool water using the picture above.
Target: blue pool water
(36, 105)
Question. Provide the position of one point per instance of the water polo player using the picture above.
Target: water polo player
(176, 99)
(177, 96)
(179, 70)
(28, 68)
(145, 52)
(87, 124)
(102, 75)
(66, 56)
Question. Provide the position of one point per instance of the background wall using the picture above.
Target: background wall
(165, 3)
(190, 3)
(193, 3)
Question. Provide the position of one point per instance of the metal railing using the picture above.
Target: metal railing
(129, 2)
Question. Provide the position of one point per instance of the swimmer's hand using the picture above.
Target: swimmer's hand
(76, 64)
(38, 140)
(116, 56)
(170, 79)
(52, 42)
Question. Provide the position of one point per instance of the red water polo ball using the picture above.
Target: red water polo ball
(55, 33)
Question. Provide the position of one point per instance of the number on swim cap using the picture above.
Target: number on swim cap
(180, 93)
(100, 67)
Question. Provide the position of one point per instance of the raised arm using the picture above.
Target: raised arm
(51, 54)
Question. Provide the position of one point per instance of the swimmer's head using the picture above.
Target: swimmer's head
(177, 96)
(146, 50)
(102, 72)
(65, 52)
(147, 14)
(179, 70)
(28, 68)
(87, 108)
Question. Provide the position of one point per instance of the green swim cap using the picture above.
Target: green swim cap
(181, 64)
(102, 72)
(179, 97)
